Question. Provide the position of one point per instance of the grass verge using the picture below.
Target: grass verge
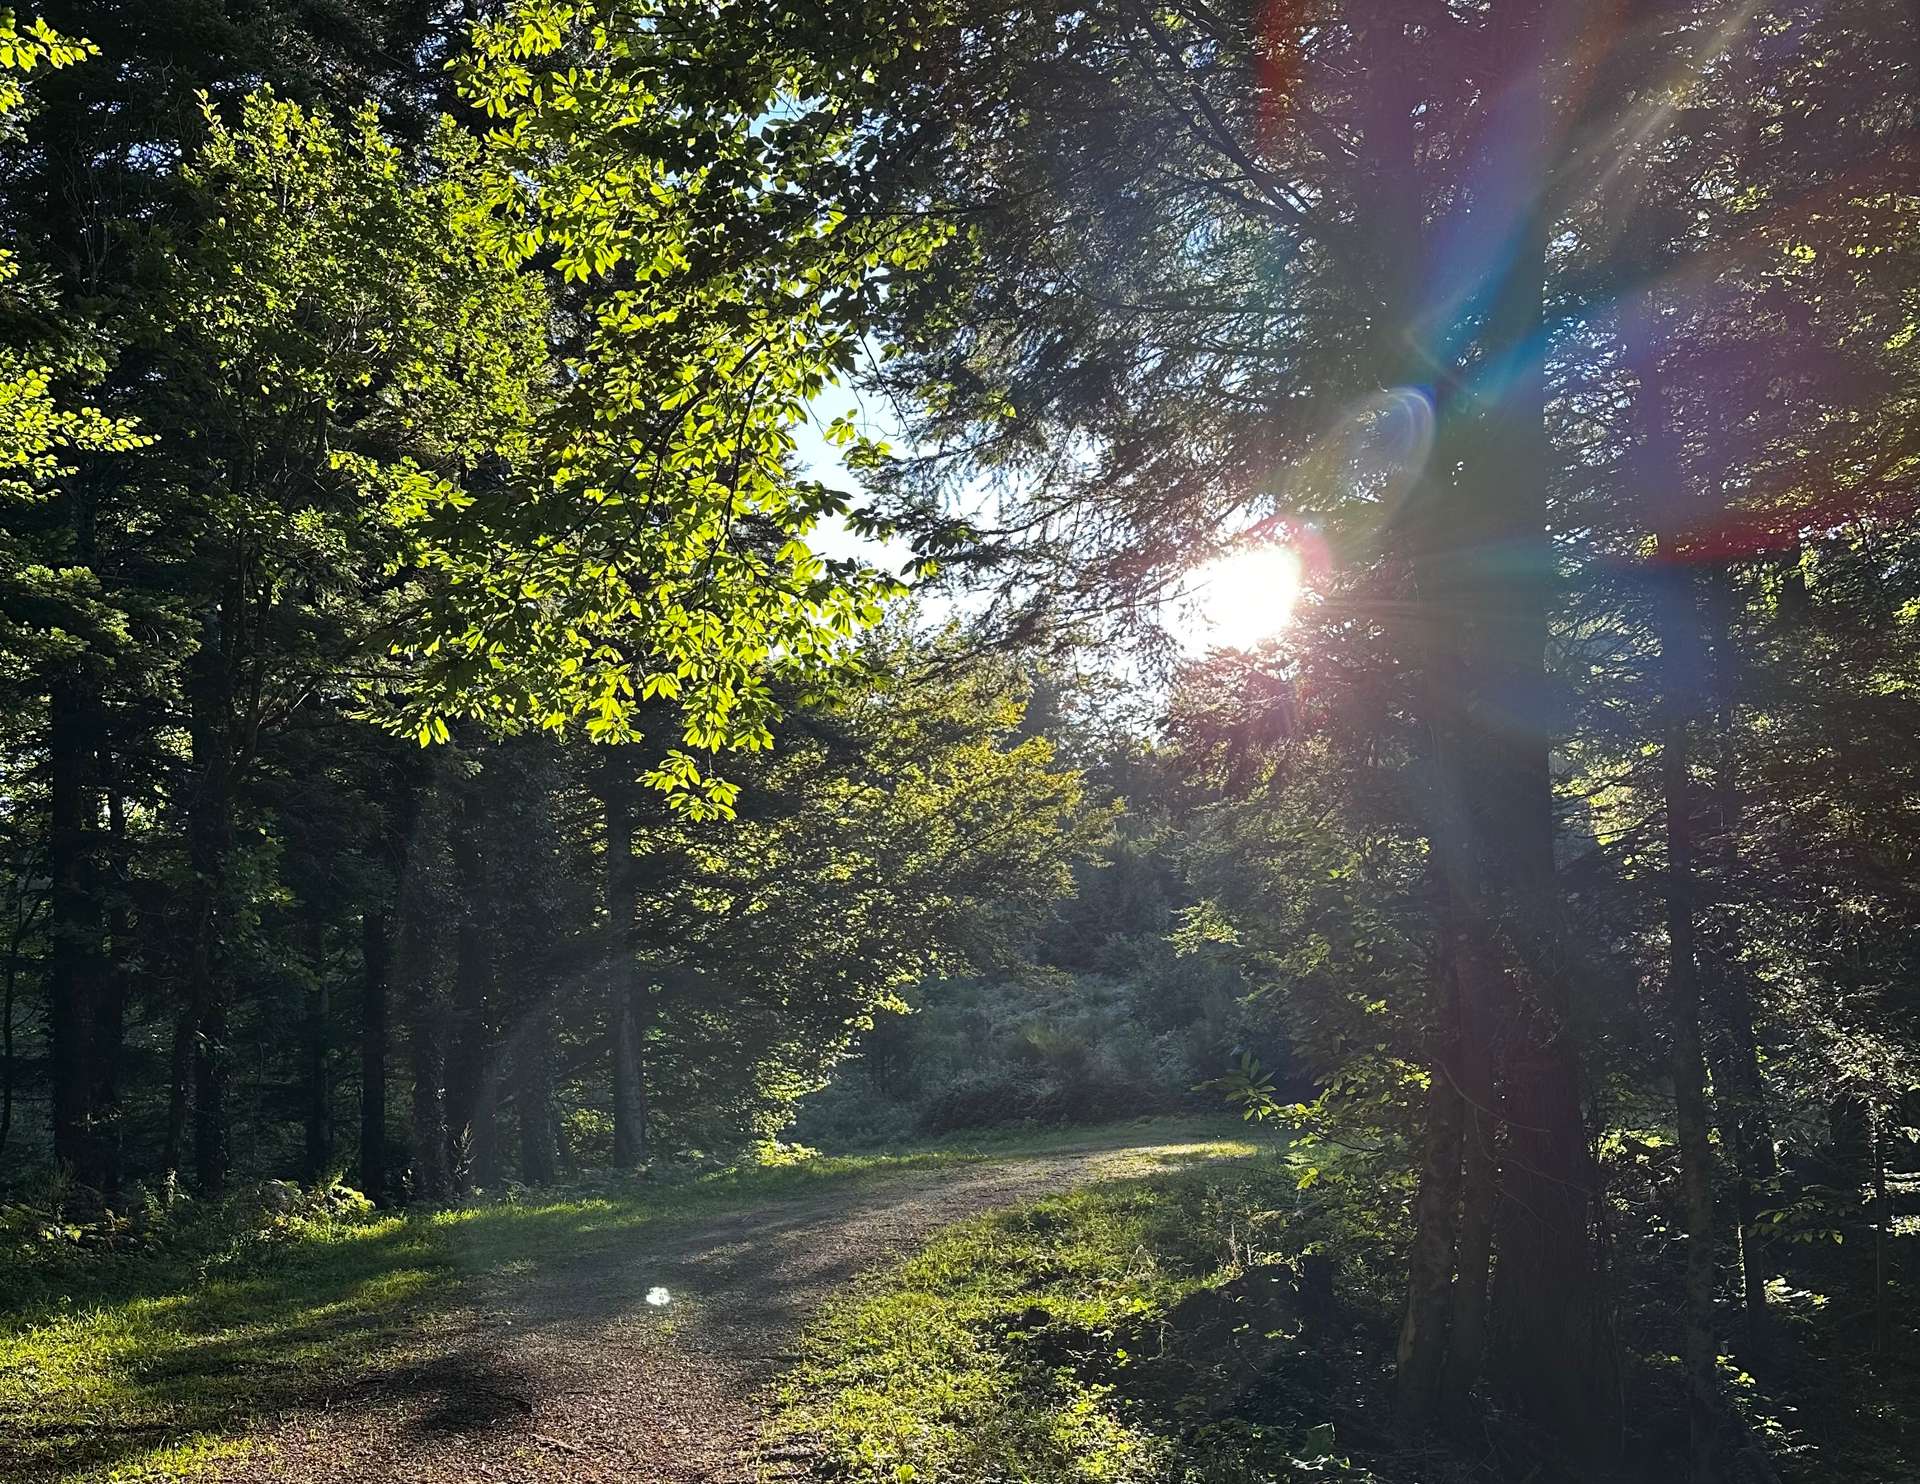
(1170, 1326)
(156, 1364)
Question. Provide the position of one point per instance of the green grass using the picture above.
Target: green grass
(156, 1365)
(1088, 1338)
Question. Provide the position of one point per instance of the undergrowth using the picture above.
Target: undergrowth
(1175, 1326)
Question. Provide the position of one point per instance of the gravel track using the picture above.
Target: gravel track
(570, 1375)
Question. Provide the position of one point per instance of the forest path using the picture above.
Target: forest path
(569, 1374)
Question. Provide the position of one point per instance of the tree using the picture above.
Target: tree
(1379, 280)
(52, 613)
(722, 284)
(309, 316)
(907, 831)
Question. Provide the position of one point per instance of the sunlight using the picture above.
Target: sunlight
(1241, 598)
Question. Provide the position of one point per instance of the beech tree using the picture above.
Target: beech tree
(398, 447)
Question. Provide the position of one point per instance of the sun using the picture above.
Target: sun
(1240, 599)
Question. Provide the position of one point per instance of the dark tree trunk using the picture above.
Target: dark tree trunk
(1554, 1350)
(179, 1087)
(395, 850)
(1475, 528)
(209, 841)
(1678, 623)
(75, 961)
(1733, 1050)
(626, 989)
(7, 1065)
(426, 1042)
(18, 920)
(1726, 1002)
(1420, 1359)
(210, 1153)
(426, 1048)
(375, 965)
(110, 1019)
(76, 964)
(1397, 222)
(319, 1089)
(1480, 1174)
(1882, 1219)
(472, 1091)
(533, 1097)
(1747, 1132)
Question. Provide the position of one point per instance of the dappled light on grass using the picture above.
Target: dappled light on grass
(160, 1365)
(1112, 1333)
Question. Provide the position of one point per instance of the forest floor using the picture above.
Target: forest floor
(571, 1374)
(507, 1342)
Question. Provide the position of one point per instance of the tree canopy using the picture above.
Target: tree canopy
(439, 696)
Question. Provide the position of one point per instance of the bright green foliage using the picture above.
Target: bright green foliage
(320, 222)
(1321, 908)
(22, 48)
(685, 176)
(910, 832)
(38, 435)
(348, 359)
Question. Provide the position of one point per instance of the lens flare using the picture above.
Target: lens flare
(1241, 598)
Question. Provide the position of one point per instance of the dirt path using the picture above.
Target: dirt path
(574, 1376)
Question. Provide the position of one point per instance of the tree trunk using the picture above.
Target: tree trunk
(1480, 1176)
(75, 929)
(1747, 1132)
(1746, 1127)
(1420, 1358)
(319, 1089)
(110, 1019)
(1679, 653)
(626, 989)
(209, 839)
(1882, 1217)
(375, 962)
(427, 1062)
(426, 1044)
(426, 1051)
(76, 964)
(1554, 1350)
(471, 1084)
(210, 1153)
(18, 920)
(179, 1088)
(533, 1096)
(395, 850)
(1397, 217)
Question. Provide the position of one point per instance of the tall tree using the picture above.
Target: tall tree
(56, 624)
